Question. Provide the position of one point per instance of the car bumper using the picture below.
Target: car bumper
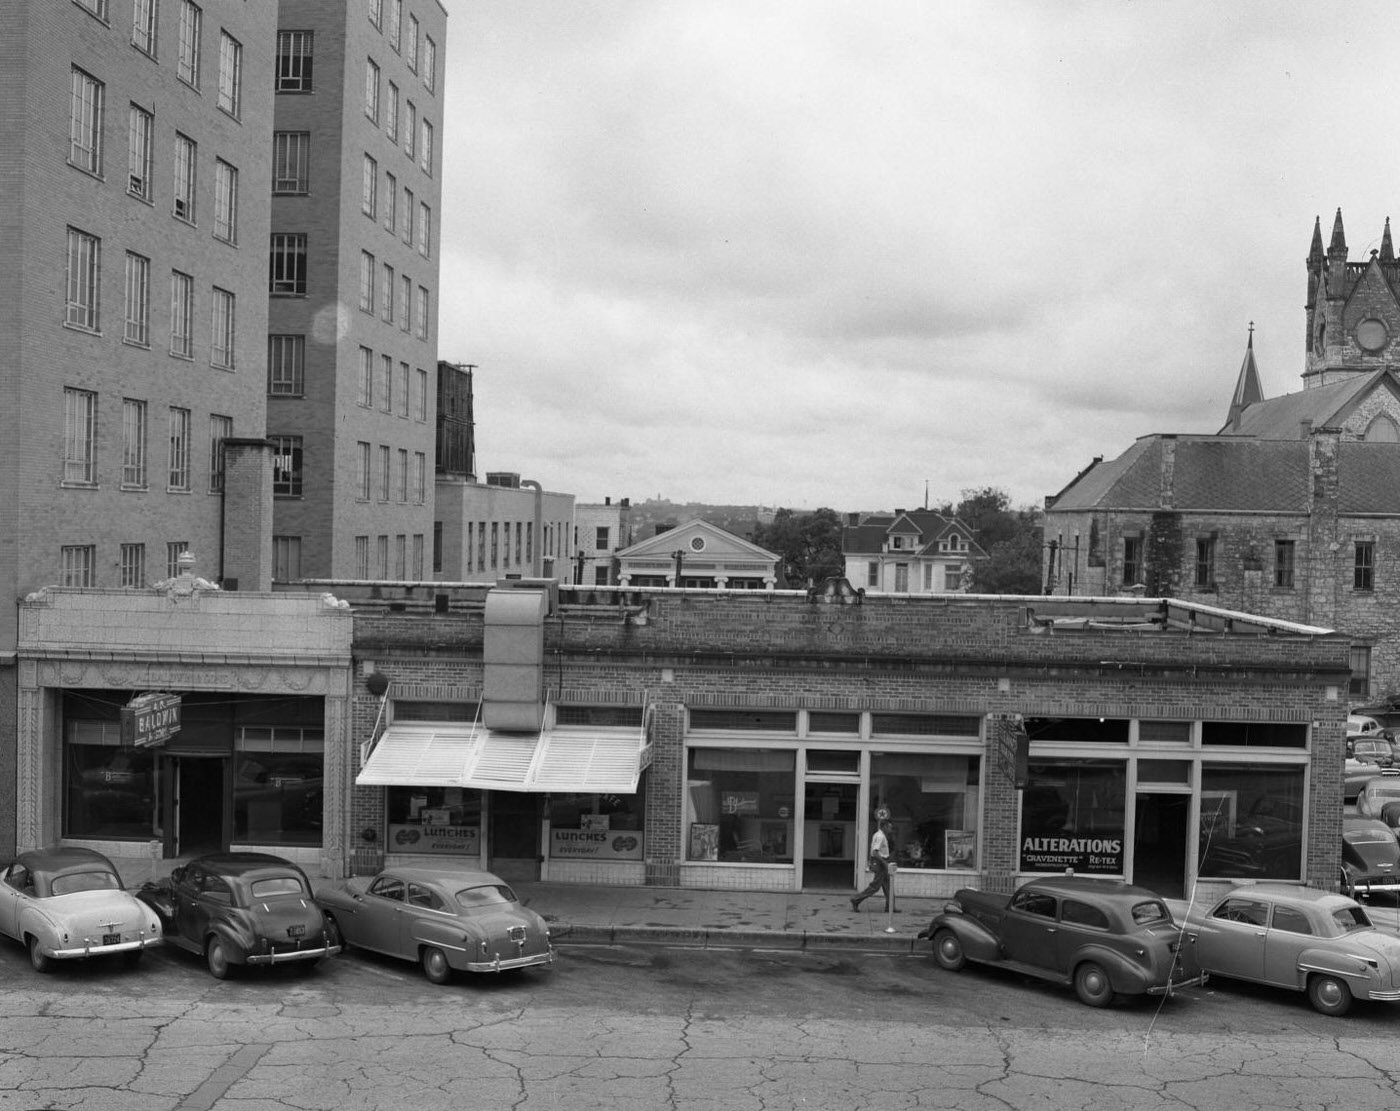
(74, 952)
(499, 965)
(290, 955)
(1366, 887)
(1177, 985)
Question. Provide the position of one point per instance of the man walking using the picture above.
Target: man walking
(879, 864)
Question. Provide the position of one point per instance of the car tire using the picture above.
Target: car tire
(1329, 995)
(1092, 985)
(435, 966)
(948, 950)
(38, 958)
(216, 957)
(335, 935)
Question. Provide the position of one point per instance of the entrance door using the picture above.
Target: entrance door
(829, 849)
(193, 803)
(514, 834)
(1160, 843)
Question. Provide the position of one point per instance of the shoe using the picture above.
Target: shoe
(855, 903)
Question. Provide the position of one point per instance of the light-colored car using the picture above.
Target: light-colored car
(1299, 938)
(445, 919)
(1366, 757)
(64, 903)
(1362, 725)
(1378, 790)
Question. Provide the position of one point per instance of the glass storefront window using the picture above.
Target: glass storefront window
(443, 820)
(597, 827)
(111, 789)
(932, 801)
(1251, 821)
(1072, 816)
(278, 786)
(739, 804)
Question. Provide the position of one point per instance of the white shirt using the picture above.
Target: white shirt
(880, 845)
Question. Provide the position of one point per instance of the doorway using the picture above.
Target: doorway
(513, 840)
(193, 805)
(1160, 843)
(829, 849)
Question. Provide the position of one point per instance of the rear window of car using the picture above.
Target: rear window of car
(1351, 918)
(1147, 913)
(276, 885)
(486, 895)
(70, 882)
(1291, 921)
(1082, 914)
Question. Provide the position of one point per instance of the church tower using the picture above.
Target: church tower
(1353, 314)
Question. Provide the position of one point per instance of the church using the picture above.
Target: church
(1292, 508)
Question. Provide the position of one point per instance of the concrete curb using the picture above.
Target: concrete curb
(732, 939)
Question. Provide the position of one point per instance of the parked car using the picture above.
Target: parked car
(1302, 939)
(1359, 725)
(446, 919)
(1366, 758)
(1370, 857)
(1104, 937)
(242, 909)
(63, 903)
(1378, 790)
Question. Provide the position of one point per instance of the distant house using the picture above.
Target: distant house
(914, 551)
(599, 531)
(698, 554)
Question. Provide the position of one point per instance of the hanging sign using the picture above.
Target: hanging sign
(150, 719)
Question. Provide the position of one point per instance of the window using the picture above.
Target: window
(230, 74)
(186, 150)
(408, 216)
(420, 313)
(287, 264)
(420, 481)
(133, 565)
(411, 54)
(225, 201)
(402, 390)
(286, 558)
(221, 352)
(362, 557)
(286, 466)
(872, 574)
(1283, 564)
(386, 295)
(1364, 569)
(400, 552)
(133, 444)
(738, 804)
(901, 577)
(418, 555)
(85, 124)
(1073, 795)
(79, 561)
(280, 769)
(425, 149)
(376, 12)
(366, 282)
(403, 475)
(410, 130)
(179, 478)
(384, 460)
(97, 7)
(220, 429)
(1132, 560)
(953, 577)
(80, 437)
(406, 297)
(391, 114)
(386, 383)
(437, 547)
(371, 90)
(600, 538)
(1251, 822)
(291, 151)
(1360, 684)
(143, 26)
(395, 22)
(181, 315)
(429, 64)
(293, 62)
(934, 800)
(174, 549)
(286, 365)
(137, 327)
(369, 192)
(422, 408)
(362, 486)
(366, 393)
(140, 127)
(191, 25)
(382, 546)
(84, 308)
(391, 203)
(425, 230)
(1205, 562)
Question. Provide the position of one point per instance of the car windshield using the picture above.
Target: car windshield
(277, 885)
(1351, 918)
(97, 880)
(488, 894)
(1145, 914)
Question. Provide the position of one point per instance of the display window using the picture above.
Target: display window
(739, 805)
(278, 786)
(932, 800)
(1072, 816)
(597, 827)
(1251, 822)
(110, 787)
(441, 820)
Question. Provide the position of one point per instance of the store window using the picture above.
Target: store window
(597, 827)
(739, 805)
(434, 820)
(1251, 822)
(110, 787)
(278, 788)
(1072, 817)
(933, 802)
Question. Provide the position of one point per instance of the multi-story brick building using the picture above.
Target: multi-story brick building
(356, 176)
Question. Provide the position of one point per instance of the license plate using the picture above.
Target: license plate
(296, 931)
(111, 939)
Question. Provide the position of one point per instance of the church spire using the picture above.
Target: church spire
(1315, 254)
(1338, 246)
(1387, 248)
(1247, 388)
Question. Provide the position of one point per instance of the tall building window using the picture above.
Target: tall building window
(291, 162)
(418, 555)
(403, 474)
(372, 90)
(391, 114)
(382, 544)
(174, 549)
(362, 557)
(420, 313)
(79, 437)
(366, 392)
(400, 551)
(395, 30)
(186, 151)
(137, 327)
(191, 27)
(1132, 560)
(425, 149)
(286, 558)
(79, 564)
(411, 47)
(286, 365)
(181, 315)
(386, 383)
(221, 353)
(133, 444)
(286, 466)
(429, 64)
(1360, 684)
(408, 216)
(384, 461)
(143, 26)
(85, 125)
(425, 231)
(294, 51)
(410, 130)
(133, 565)
(1364, 568)
(386, 294)
(230, 74)
(287, 264)
(406, 302)
(366, 282)
(84, 305)
(369, 193)
(1205, 561)
(1283, 564)
(179, 449)
(391, 203)
(376, 12)
(422, 407)
(220, 429)
(420, 478)
(362, 485)
(402, 391)
(140, 127)
(225, 201)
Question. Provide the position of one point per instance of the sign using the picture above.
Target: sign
(150, 719)
(1088, 854)
(429, 837)
(595, 844)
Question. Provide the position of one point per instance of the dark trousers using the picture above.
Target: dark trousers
(880, 882)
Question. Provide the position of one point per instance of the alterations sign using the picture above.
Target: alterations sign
(150, 719)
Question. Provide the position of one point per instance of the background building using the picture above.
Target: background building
(913, 551)
(600, 532)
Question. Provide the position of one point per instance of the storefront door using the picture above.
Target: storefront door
(1160, 842)
(829, 849)
(192, 804)
(514, 837)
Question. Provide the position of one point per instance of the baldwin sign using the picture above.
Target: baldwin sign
(150, 719)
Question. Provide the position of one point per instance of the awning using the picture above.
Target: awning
(419, 755)
(604, 762)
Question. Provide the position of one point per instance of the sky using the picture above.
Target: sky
(800, 253)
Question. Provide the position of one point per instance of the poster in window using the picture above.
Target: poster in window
(704, 841)
(959, 848)
(775, 838)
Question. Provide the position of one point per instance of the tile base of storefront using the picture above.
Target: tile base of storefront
(601, 872)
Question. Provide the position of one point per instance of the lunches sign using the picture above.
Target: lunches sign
(150, 719)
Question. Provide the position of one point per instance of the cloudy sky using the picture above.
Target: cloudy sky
(805, 253)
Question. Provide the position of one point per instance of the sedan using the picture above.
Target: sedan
(62, 903)
(445, 919)
(1378, 790)
(1370, 857)
(242, 909)
(1299, 938)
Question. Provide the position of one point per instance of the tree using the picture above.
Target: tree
(1010, 537)
(809, 544)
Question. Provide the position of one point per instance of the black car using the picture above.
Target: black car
(1370, 858)
(242, 909)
